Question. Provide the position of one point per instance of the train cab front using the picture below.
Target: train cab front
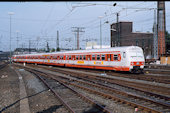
(137, 67)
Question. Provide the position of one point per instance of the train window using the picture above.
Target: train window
(48, 57)
(61, 57)
(42, 57)
(124, 54)
(80, 57)
(66, 57)
(103, 57)
(55, 57)
(84, 57)
(58, 57)
(115, 57)
(109, 57)
(98, 57)
(93, 57)
(88, 57)
(69, 57)
(73, 57)
(77, 57)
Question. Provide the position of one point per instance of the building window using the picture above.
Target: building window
(137, 42)
(143, 43)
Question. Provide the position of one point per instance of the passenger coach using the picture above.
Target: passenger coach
(129, 58)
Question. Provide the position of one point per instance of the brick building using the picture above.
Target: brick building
(124, 36)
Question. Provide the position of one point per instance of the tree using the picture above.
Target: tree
(52, 50)
(58, 49)
(48, 48)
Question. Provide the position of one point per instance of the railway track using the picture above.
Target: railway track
(132, 84)
(3, 65)
(147, 77)
(70, 98)
(95, 86)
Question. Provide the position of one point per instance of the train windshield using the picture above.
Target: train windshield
(136, 54)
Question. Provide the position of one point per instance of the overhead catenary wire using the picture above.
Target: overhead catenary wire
(89, 26)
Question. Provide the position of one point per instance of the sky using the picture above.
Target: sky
(36, 23)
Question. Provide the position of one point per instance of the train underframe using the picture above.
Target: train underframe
(137, 70)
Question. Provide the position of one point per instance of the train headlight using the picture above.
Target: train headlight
(137, 63)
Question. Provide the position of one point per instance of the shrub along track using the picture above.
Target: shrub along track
(97, 85)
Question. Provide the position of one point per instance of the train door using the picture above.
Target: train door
(88, 58)
(108, 59)
(123, 57)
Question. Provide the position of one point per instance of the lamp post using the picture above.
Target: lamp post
(100, 32)
(17, 37)
(10, 13)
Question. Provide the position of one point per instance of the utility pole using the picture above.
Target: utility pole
(75, 41)
(100, 32)
(38, 38)
(29, 45)
(10, 13)
(17, 38)
(57, 41)
(161, 27)
(78, 30)
(117, 29)
(0, 41)
(155, 38)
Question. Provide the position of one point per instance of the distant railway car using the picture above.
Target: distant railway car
(127, 58)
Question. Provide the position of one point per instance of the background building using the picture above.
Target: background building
(124, 36)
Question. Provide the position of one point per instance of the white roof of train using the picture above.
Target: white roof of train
(123, 48)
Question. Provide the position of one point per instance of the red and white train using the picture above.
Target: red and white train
(127, 58)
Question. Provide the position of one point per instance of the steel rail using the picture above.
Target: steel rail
(61, 100)
(80, 95)
(101, 78)
(115, 98)
(109, 88)
(3, 65)
(146, 108)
